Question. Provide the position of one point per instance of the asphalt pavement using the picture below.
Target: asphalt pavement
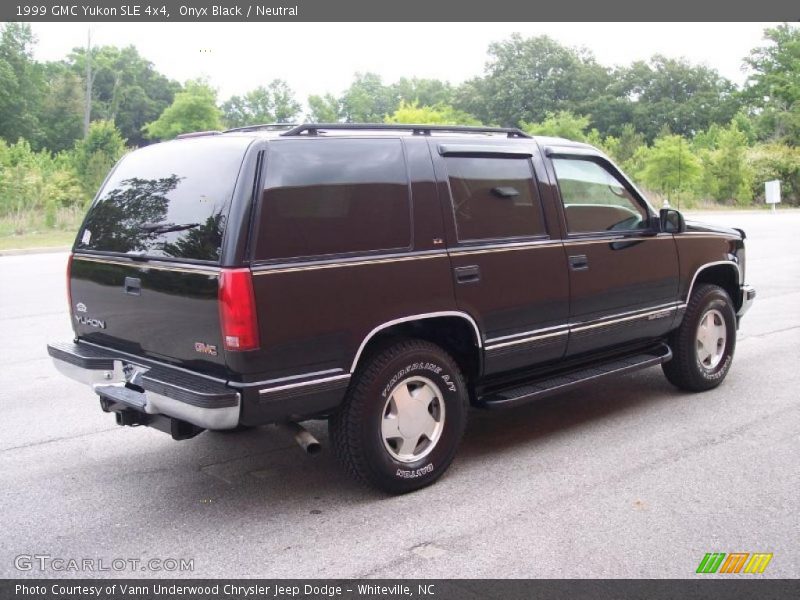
(628, 478)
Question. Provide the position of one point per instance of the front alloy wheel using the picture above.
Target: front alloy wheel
(703, 345)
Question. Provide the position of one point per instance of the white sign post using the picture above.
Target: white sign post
(772, 192)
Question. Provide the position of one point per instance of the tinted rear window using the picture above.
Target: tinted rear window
(334, 196)
(167, 200)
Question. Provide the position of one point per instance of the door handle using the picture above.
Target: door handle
(579, 262)
(133, 286)
(469, 274)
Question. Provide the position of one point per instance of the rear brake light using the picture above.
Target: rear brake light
(237, 310)
(69, 282)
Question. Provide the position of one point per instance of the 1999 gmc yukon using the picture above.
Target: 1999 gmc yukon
(386, 278)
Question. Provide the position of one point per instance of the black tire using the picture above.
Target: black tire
(356, 428)
(685, 370)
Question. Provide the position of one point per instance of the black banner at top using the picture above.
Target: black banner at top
(405, 10)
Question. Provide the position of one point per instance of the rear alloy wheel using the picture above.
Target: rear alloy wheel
(413, 419)
(403, 417)
(703, 345)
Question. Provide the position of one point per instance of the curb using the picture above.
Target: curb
(45, 250)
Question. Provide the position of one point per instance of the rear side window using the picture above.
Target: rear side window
(333, 196)
(167, 200)
(494, 198)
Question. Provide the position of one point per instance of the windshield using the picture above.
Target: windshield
(167, 200)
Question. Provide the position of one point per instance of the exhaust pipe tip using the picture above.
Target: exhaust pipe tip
(313, 447)
(303, 437)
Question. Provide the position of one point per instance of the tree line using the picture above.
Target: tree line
(682, 130)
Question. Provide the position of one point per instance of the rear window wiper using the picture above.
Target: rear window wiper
(167, 227)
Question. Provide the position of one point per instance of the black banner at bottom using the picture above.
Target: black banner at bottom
(410, 589)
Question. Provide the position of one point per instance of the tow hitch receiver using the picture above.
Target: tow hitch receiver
(127, 415)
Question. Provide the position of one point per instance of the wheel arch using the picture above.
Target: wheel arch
(724, 273)
(456, 331)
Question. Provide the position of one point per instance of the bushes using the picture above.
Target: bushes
(94, 156)
(776, 161)
(42, 189)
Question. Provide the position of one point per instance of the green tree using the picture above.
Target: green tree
(561, 124)
(527, 78)
(669, 166)
(727, 174)
(441, 114)
(61, 110)
(424, 92)
(324, 109)
(627, 144)
(21, 84)
(776, 161)
(94, 155)
(126, 88)
(367, 100)
(194, 109)
(674, 93)
(274, 103)
(773, 86)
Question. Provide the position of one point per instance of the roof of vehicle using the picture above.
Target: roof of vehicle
(317, 130)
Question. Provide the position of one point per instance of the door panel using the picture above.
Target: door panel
(626, 291)
(521, 291)
(508, 274)
(623, 275)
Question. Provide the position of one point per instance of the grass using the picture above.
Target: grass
(30, 229)
(52, 238)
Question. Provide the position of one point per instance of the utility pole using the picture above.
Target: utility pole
(680, 151)
(87, 106)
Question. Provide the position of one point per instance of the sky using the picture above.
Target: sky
(315, 58)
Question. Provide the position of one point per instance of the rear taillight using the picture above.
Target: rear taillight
(237, 310)
(69, 283)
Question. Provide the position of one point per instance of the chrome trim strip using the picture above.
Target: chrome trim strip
(432, 315)
(243, 384)
(468, 250)
(729, 236)
(610, 321)
(187, 268)
(302, 384)
(621, 238)
(528, 339)
(712, 264)
(356, 262)
(533, 332)
(557, 330)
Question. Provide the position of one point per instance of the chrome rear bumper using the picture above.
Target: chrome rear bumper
(128, 383)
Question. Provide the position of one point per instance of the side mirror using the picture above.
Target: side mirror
(672, 221)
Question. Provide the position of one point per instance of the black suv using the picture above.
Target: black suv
(386, 278)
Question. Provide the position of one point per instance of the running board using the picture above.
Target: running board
(529, 392)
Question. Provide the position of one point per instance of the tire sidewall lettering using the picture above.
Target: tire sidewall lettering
(450, 387)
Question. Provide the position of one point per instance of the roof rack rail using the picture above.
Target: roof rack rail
(260, 126)
(192, 134)
(314, 128)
